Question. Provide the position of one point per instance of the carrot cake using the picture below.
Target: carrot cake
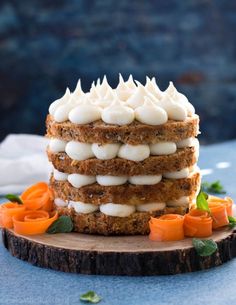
(122, 155)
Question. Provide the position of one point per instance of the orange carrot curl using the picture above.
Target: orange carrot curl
(197, 223)
(33, 222)
(7, 211)
(168, 227)
(227, 201)
(219, 214)
(38, 196)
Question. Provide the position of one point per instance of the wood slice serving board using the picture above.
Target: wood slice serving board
(124, 255)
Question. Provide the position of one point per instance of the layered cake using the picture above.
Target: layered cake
(122, 155)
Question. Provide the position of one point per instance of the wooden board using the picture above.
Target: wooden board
(124, 255)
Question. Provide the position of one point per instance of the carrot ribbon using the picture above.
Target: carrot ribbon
(34, 216)
(197, 223)
(33, 222)
(38, 196)
(219, 214)
(7, 211)
(227, 201)
(168, 227)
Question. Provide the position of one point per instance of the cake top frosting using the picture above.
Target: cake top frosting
(129, 101)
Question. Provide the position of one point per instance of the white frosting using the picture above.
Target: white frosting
(118, 113)
(111, 180)
(189, 142)
(151, 207)
(134, 152)
(151, 114)
(78, 93)
(60, 202)
(119, 104)
(78, 180)
(62, 112)
(196, 145)
(163, 148)
(123, 90)
(175, 111)
(105, 151)
(56, 145)
(183, 173)
(79, 151)
(102, 89)
(117, 210)
(93, 92)
(85, 113)
(180, 98)
(59, 175)
(137, 98)
(182, 201)
(84, 208)
(145, 180)
(54, 106)
(130, 82)
(106, 101)
(152, 88)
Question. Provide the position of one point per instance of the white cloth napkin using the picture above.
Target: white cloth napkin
(23, 161)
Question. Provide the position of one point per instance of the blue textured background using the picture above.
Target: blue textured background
(46, 45)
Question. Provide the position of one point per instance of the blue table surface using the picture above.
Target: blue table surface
(21, 283)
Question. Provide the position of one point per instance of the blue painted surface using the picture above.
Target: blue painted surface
(24, 284)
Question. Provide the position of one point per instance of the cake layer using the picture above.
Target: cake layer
(99, 223)
(154, 165)
(166, 190)
(135, 133)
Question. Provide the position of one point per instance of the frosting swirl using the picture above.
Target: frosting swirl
(79, 151)
(134, 152)
(120, 106)
(78, 180)
(118, 210)
(150, 114)
(81, 207)
(137, 98)
(118, 114)
(105, 151)
(85, 113)
(54, 106)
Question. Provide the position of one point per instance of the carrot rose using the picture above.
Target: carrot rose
(168, 227)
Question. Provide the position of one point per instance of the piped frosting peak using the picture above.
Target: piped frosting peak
(129, 101)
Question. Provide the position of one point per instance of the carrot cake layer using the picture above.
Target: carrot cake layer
(134, 133)
(165, 190)
(99, 223)
(153, 165)
(121, 155)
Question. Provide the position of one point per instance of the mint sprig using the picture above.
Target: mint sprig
(214, 188)
(202, 203)
(63, 224)
(14, 198)
(90, 297)
(232, 221)
(204, 247)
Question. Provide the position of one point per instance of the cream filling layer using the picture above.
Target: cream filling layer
(114, 209)
(78, 180)
(82, 151)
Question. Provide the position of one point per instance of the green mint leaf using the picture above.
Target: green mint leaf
(14, 198)
(202, 203)
(63, 224)
(204, 247)
(90, 297)
(232, 222)
(214, 187)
